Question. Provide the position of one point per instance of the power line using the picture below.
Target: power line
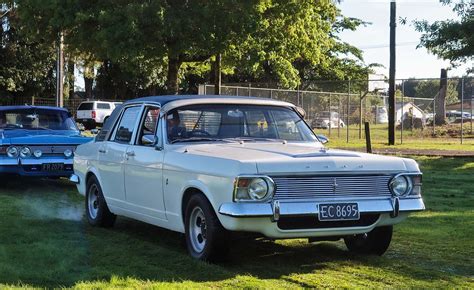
(388, 45)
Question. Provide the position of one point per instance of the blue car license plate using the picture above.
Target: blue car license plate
(338, 211)
(52, 167)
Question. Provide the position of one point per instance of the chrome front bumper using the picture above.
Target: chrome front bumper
(287, 208)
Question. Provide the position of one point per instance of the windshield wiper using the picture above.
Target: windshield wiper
(255, 139)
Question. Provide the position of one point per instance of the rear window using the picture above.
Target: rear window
(103, 106)
(86, 106)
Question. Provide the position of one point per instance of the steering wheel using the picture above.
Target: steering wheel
(198, 133)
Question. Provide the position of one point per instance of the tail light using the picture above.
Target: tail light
(93, 114)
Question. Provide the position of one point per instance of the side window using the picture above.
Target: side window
(103, 106)
(149, 124)
(127, 123)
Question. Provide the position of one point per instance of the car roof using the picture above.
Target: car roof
(8, 108)
(185, 99)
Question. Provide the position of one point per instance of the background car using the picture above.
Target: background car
(94, 113)
(326, 120)
(38, 141)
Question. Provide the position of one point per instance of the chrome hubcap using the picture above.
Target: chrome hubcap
(197, 229)
(93, 201)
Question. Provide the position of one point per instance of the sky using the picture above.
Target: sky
(374, 38)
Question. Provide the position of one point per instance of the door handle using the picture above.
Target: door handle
(130, 153)
(102, 151)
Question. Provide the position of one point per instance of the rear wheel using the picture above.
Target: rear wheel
(375, 242)
(206, 239)
(98, 214)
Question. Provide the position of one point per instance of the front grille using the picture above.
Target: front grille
(52, 150)
(297, 187)
(312, 222)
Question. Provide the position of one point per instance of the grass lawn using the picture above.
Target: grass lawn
(411, 139)
(45, 242)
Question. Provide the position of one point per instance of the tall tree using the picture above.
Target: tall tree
(451, 40)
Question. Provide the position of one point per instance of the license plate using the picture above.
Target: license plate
(338, 211)
(52, 167)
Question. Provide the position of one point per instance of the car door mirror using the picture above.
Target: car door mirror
(149, 140)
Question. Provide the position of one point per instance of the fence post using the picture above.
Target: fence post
(462, 109)
(338, 117)
(348, 111)
(401, 119)
(330, 114)
(368, 142)
(434, 114)
(360, 115)
(250, 89)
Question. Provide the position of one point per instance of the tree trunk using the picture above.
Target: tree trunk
(70, 72)
(440, 102)
(217, 75)
(88, 81)
(172, 84)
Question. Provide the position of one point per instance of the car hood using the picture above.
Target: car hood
(304, 158)
(32, 137)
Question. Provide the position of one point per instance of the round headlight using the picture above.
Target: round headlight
(12, 152)
(68, 153)
(25, 152)
(400, 185)
(258, 189)
(37, 153)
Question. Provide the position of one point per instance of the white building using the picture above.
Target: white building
(405, 111)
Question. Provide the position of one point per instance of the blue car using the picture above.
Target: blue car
(38, 141)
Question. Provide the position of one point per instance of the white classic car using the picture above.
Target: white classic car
(207, 166)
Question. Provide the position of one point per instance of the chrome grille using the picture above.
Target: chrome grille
(52, 150)
(331, 186)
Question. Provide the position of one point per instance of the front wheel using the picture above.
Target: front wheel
(98, 214)
(206, 239)
(375, 242)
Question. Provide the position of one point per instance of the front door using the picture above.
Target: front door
(144, 169)
(112, 157)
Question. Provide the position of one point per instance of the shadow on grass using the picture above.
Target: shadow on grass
(41, 248)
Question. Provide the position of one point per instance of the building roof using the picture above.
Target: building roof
(10, 108)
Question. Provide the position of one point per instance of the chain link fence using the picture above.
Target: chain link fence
(339, 109)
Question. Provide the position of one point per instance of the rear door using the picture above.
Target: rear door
(104, 109)
(112, 155)
(144, 169)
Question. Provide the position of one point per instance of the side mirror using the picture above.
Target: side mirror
(323, 139)
(149, 140)
(301, 111)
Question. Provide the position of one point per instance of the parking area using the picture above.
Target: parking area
(46, 242)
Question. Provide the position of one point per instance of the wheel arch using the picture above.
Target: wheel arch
(187, 194)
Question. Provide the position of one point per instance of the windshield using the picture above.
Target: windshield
(36, 119)
(236, 122)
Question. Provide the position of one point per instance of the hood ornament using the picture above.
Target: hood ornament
(334, 185)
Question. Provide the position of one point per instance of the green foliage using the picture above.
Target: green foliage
(451, 39)
(430, 89)
(25, 64)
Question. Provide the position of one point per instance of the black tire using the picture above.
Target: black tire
(99, 215)
(375, 242)
(214, 236)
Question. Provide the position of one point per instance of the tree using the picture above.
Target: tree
(25, 64)
(451, 40)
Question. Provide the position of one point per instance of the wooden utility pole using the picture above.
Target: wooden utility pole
(217, 75)
(391, 81)
(60, 72)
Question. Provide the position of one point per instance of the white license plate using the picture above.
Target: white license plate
(338, 211)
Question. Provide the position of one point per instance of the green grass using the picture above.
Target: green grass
(45, 242)
(410, 140)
